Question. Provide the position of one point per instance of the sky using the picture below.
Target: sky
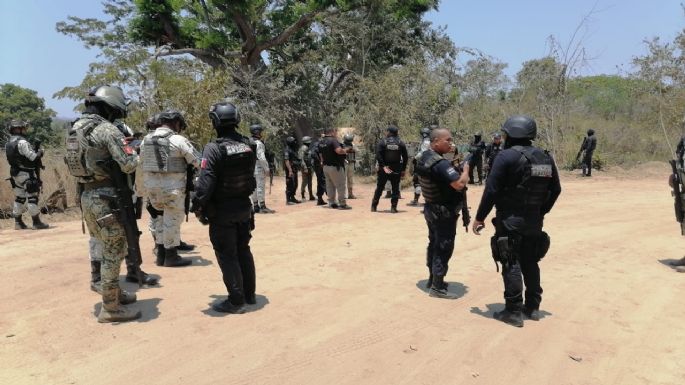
(35, 56)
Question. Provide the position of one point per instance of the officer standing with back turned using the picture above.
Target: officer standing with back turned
(391, 156)
(523, 186)
(222, 200)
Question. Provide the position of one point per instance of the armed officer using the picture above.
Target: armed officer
(333, 159)
(491, 151)
(261, 172)
(350, 163)
(307, 167)
(91, 143)
(477, 147)
(443, 188)
(23, 161)
(391, 156)
(317, 164)
(166, 156)
(291, 165)
(589, 145)
(523, 187)
(222, 200)
(425, 145)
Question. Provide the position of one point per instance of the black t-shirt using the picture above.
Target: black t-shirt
(330, 157)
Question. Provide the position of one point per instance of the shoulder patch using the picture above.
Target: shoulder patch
(541, 170)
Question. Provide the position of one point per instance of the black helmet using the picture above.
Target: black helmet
(393, 130)
(348, 138)
(172, 116)
(290, 141)
(16, 123)
(590, 132)
(425, 132)
(520, 127)
(152, 122)
(478, 135)
(224, 114)
(111, 96)
(306, 140)
(256, 129)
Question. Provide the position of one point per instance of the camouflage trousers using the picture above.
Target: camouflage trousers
(108, 234)
(155, 227)
(95, 249)
(349, 171)
(23, 200)
(259, 196)
(168, 227)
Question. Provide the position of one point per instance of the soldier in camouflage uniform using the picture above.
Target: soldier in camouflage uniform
(307, 167)
(350, 163)
(25, 184)
(165, 156)
(92, 140)
(261, 172)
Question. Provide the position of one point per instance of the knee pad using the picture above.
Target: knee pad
(417, 190)
(33, 200)
(542, 245)
(20, 200)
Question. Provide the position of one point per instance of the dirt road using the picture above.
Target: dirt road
(344, 304)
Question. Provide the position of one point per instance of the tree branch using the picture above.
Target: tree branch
(303, 21)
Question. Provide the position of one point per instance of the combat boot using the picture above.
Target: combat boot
(388, 195)
(531, 313)
(19, 223)
(160, 254)
(511, 317)
(680, 262)
(185, 247)
(320, 202)
(227, 307)
(439, 288)
(311, 197)
(415, 201)
(95, 278)
(132, 275)
(256, 208)
(350, 195)
(171, 259)
(265, 210)
(37, 224)
(113, 311)
(393, 209)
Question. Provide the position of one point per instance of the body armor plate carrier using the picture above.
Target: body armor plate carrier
(157, 155)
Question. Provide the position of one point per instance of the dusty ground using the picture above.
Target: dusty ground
(343, 303)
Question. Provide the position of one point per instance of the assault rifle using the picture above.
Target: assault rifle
(39, 163)
(122, 207)
(190, 187)
(677, 192)
(582, 148)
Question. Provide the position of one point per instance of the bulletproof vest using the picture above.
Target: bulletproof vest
(16, 160)
(82, 154)
(392, 152)
(295, 161)
(306, 156)
(327, 150)
(237, 164)
(350, 156)
(532, 190)
(157, 155)
(433, 190)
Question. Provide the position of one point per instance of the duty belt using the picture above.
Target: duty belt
(97, 184)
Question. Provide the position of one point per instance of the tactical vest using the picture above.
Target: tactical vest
(157, 155)
(393, 154)
(327, 150)
(435, 191)
(295, 161)
(533, 190)
(350, 156)
(236, 178)
(306, 156)
(17, 161)
(82, 153)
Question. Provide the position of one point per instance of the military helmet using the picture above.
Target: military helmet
(590, 132)
(290, 140)
(520, 127)
(152, 122)
(497, 135)
(256, 129)
(306, 140)
(16, 123)
(393, 130)
(111, 96)
(224, 114)
(348, 138)
(172, 116)
(425, 132)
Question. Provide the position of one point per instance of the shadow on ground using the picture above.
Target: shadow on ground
(149, 309)
(456, 288)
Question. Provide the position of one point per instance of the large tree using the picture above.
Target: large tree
(24, 104)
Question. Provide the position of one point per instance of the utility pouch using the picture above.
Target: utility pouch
(107, 221)
(32, 185)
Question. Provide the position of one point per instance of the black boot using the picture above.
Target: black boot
(250, 299)
(531, 313)
(429, 283)
(511, 317)
(132, 275)
(393, 209)
(311, 197)
(95, 276)
(265, 210)
(159, 253)
(415, 201)
(439, 288)
(37, 224)
(19, 223)
(171, 258)
(185, 247)
(227, 307)
(320, 202)
(255, 208)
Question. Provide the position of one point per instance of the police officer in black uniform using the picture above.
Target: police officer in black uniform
(589, 146)
(391, 156)
(222, 200)
(476, 149)
(315, 156)
(443, 188)
(523, 186)
(491, 151)
(291, 164)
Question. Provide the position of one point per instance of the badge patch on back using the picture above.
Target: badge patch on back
(392, 147)
(541, 170)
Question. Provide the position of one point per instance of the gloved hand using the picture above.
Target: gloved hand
(40, 153)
